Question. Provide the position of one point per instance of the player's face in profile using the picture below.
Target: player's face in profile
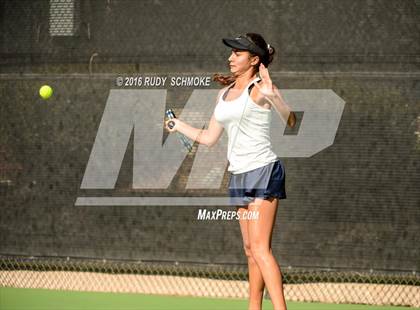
(239, 61)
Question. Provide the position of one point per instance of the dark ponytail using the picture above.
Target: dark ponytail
(270, 57)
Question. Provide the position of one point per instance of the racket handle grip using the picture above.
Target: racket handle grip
(170, 114)
(171, 124)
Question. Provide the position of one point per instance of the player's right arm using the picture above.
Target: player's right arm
(215, 130)
(208, 137)
(213, 133)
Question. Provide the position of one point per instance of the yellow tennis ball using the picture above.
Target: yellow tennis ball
(45, 91)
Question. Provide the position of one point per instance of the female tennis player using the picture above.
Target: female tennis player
(257, 180)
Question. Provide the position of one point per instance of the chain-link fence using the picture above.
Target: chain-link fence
(193, 279)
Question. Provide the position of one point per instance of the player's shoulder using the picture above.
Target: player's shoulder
(224, 88)
(221, 91)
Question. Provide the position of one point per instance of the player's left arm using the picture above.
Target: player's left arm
(276, 100)
(269, 93)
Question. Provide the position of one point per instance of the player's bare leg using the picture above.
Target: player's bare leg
(259, 235)
(256, 282)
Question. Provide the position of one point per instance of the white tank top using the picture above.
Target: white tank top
(248, 129)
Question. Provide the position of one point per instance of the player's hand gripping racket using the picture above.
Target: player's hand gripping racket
(184, 140)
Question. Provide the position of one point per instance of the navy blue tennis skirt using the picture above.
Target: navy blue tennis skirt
(264, 182)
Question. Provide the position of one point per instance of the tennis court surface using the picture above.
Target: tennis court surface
(31, 299)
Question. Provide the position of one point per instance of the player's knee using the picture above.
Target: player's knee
(247, 250)
(259, 251)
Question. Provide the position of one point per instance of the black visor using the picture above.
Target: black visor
(243, 43)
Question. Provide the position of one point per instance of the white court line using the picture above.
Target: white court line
(153, 201)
